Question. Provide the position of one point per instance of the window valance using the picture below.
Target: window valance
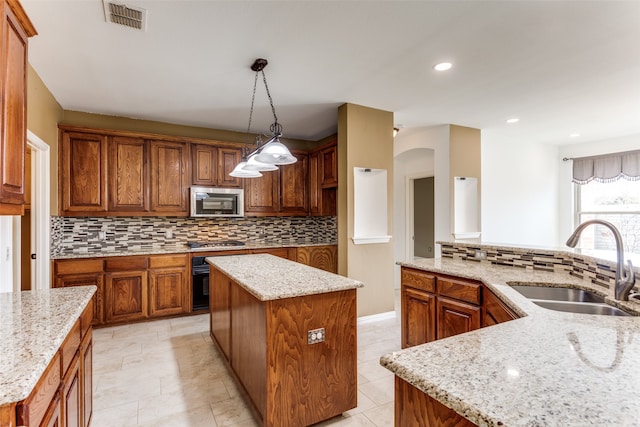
(607, 167)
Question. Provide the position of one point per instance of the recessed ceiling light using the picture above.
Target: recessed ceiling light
(443, 66)
(574, 135)
(514, 120)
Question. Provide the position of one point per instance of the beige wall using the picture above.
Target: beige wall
(43, 115)
(365, 139)
(464, 160)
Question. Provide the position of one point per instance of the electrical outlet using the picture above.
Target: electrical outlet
(315, 336)
(102, 235)
(480, 254)
(168, 234)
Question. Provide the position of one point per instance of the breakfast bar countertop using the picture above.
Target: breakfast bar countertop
(547, 368)
(268, 277)
(34, 324)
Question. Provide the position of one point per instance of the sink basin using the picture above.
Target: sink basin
(568, 300)
(558, 294)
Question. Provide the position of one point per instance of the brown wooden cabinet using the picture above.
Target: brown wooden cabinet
(261, 195)
(294, 183)
(63, 395)
(204, 165)
(286, 253)
(168, 285)
(169, 177)
(228, 159)
(16, 28)
(436, 306)
(329, 166)
(322, 257)
(83, 173)
(220, 312)
(126, 289)
(128, 175)
(323, 180)
(82, 272)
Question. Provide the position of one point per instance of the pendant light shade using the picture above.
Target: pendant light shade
(240, 172)
(275, 153)
(268, 156)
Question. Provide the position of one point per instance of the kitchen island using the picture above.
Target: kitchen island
(547, 368)
(288, 332)
(45, 362)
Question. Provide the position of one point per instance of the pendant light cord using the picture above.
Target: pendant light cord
(275, 128)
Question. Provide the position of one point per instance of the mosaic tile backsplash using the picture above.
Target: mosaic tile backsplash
(96, 234)
(599, 273)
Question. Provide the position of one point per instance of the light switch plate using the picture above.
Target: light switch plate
(315, 336)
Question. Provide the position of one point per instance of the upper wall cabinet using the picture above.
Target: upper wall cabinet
(211, 165)
(323, 180)
(16, 28)
(104, 174)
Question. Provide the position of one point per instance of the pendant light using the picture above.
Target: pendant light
(266, 156)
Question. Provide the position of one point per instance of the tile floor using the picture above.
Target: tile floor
(169, 373)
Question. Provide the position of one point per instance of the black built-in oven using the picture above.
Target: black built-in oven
(200, 283)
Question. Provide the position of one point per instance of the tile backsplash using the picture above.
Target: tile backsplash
(71, 235)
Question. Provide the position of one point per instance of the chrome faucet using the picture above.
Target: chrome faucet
(625, 277)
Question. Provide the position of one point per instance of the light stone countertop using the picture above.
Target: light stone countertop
(268, 277)
(547, 368)
(33, 325)
(183, 248)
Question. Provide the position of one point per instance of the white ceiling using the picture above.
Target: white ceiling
(561, 67)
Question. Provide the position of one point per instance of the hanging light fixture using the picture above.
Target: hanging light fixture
(269, 155)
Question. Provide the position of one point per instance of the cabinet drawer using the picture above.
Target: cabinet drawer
(162, 261)
(462, 290)
(126, 263)
(32, 410)
(78, 266)
(418, 279)
(70, 346)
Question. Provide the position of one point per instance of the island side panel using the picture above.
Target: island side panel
(220, 310)
(248, 356)
(308, 383)
(414, 408)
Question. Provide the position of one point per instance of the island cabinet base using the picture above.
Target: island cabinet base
(288, 380)
(414, 408)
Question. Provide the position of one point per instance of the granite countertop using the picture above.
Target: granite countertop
(34, 324)
(547, 368)
(183, 248)
(269, 277)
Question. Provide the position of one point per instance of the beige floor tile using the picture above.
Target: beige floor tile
(381, 416)
(193, 417)
(358, 420)
(380, 391)
(230, 412)
(116, 416)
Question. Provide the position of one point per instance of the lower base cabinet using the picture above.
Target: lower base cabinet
(63, 396)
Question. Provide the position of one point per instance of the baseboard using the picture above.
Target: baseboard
(377, 317)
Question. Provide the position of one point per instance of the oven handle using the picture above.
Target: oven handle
(196, 271)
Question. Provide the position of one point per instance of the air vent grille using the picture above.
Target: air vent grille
(129, 16)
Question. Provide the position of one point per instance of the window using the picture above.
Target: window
(617, 202)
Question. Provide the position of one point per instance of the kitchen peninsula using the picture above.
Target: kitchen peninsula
(46, 362)
(546, 368)
(288, 333)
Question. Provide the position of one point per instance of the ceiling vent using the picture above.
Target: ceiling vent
(129, 16)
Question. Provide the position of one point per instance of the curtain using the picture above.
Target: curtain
(607, 168)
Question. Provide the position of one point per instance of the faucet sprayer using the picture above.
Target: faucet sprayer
(625, 277)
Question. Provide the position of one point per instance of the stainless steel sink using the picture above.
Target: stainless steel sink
(568, 300)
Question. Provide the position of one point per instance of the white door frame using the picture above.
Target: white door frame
(409, 217)
(40, 212)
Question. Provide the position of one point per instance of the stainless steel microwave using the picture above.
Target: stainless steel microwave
(217, 202)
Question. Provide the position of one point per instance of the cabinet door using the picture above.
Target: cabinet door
(219, 303)
(169, 178)
(168, 289)
(322, 257)
(72, 396)
(14, 113)
(128, 175)
(52, 418)
(86, 375)
(126, 296)
(83, 164)
(294, 184)
(455, 317)
(286, 253)
(261, 194)
(494, 310)
(329, 167)
(204, 164)
(228, 158)
(315, 190)
(418, 317)
(87, 279)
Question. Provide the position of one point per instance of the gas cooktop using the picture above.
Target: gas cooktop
(210, 244)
